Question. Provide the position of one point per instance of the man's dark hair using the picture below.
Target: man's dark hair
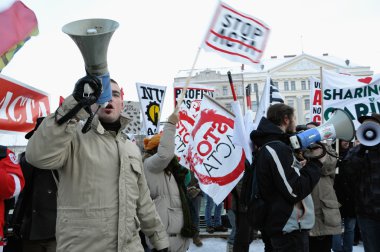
(277, 112)
(113, 81)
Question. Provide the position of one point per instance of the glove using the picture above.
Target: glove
(87, 97)
(173, 118)
(161, 250)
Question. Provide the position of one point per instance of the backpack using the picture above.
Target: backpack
(252, 199)
(257, 209)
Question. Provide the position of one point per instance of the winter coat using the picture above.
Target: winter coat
(103, 197)
(37, 204)
(283, 184)
(363, 166)
(11, 182)
(326, 206)
(164, 190)
(344, 189)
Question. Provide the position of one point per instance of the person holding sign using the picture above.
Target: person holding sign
(166, 181)
(103, 196)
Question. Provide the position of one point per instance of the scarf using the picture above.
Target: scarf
(179, 173)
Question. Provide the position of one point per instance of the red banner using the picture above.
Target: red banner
(20, 105)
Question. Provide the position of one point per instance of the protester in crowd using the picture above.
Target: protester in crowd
(284, 186)
(103, 197)
(326, 205)
(166, 181)
(345, 192)
(363, 166)
(231, 219)
(36, 209)
(243, 233)
(194, 194)
(213, 223)
(11, 184)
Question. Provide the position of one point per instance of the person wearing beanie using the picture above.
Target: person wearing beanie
(166, 182)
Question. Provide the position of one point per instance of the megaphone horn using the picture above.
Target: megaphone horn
(92, 36)
(368, 134)
(339, 126)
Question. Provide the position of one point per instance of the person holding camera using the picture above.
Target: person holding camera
(326, 205)
(103, 197)
(11, 184)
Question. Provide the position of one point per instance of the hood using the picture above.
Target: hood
(266, 132)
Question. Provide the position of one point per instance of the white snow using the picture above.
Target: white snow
(220, 245)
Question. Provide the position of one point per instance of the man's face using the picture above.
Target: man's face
(291, 124)
(111, 113)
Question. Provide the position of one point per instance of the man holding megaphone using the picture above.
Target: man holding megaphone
(363, 165)
(284, 184)
(103, 196)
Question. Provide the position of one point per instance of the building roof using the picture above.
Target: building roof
(274, 62)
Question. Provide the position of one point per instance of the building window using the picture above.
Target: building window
(239, 90)
(308, 84)
(293, 85)
(307, 117)
(275, 83)
(254, 106)
(225, 90)
(303, 85)
(286, 85)
(290, 103)
(255, 88)
(228, 106)
(307, 104)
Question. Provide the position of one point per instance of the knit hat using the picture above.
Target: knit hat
(316, 124)
(153, 142)
(374, 116)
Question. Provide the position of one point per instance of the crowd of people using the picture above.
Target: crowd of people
(95, 191)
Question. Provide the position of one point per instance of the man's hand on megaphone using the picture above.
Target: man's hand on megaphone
(87, 90)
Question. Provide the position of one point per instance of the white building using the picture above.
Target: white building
(289, 73)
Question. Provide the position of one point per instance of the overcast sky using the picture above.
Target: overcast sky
(156, 39)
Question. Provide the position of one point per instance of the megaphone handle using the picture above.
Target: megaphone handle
(87, 125)
(69, 114)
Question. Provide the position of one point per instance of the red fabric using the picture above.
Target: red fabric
(17, 23)
(8, 165)
(228, 202)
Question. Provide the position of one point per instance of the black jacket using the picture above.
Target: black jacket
(37, 205)
(344, 189)
(363, 166)
(282, 185)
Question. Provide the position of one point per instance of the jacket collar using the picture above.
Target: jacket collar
(98, 127)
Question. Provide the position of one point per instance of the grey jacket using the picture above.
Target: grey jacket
(326, 206)
(164, 190)
(103, 197)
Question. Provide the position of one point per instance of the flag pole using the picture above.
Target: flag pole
(231, 85)
(243, 88)
(323, 118)
(187, 81)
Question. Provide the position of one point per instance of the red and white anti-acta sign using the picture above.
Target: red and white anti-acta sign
(20, 105)
(216, 161)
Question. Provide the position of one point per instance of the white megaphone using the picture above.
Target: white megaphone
(368, 133)
(92, 36)
(339, 126)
